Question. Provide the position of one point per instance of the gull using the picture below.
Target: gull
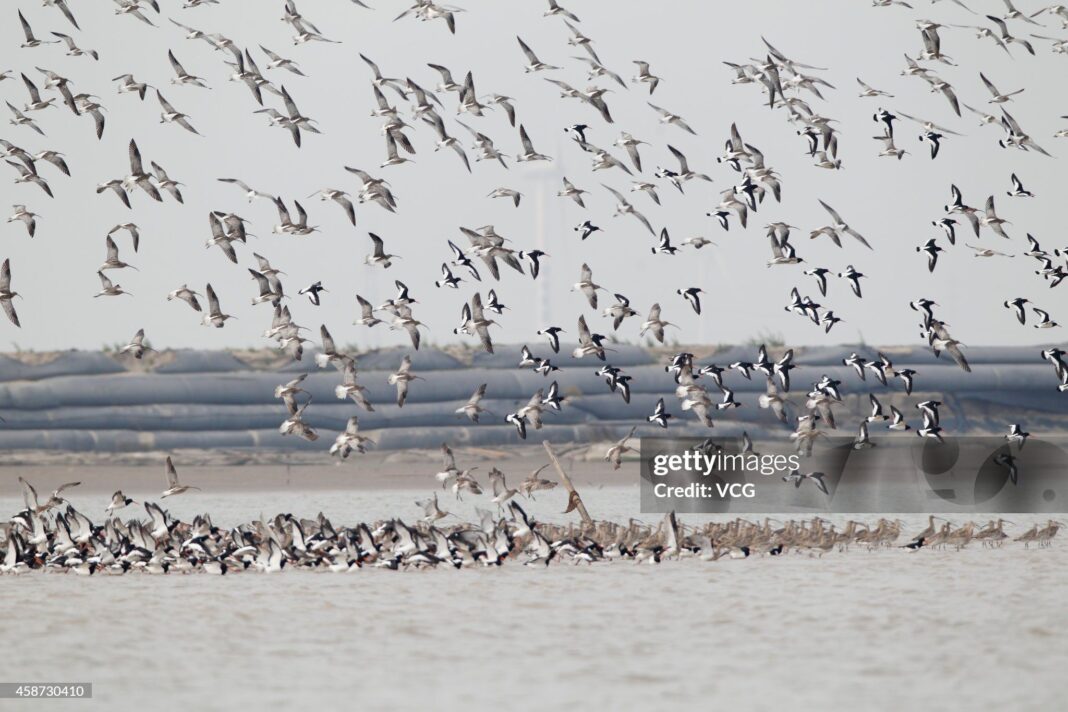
(529, 154)
(841, 226)
(431, 509)
(666, 117)
(782, 252)
(623, 207)
(341, 198)
(999, 98)
(473, 408)
(1046, 322)
(403, 319)
(599, 70)
(138, 176)
(946, 88)
(796, 478)
(215, 316)
(270, 288)
(173, 486)
(112, 260)
(533, 484)
(697, 242)
(36, 103)
(1014, 14)
(220, 238)
(108, 289)
(513, 195)
(401, 378)
(183, 77)
(684, 173)
(616, 452)
(192, 34)
(26, 217)
(186, 295)
(31, 41)
(644, 76)
(991, 220)
(868, 92)
(279, 62)
(379, 255)
(619, 311)
(533, 63)
(1014, 135)
(772, 399)
(137, 346)
(940, 340)
(170, 115)
(286, 225)
(569, 191)
(295, 424)
(913, 69)
(349, 388)
(29, 496)
(21, 119)
(556, 10)
(250, 193)
(587, 286)
(73, 50)
(1008, 38)
(501, 492)
(984, 118)
(447, 141)
(889, 149)
(631, 144)
(133, 8)
(165, 182)
(589, 344)
(6, 293)
(655, 324)
(506, 103)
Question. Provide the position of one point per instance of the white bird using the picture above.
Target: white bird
(174, 487)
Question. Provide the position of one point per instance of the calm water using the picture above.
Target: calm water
(977, 629)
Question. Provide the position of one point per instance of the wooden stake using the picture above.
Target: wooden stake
(586, 518)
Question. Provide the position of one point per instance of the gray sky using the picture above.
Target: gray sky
(891, 202)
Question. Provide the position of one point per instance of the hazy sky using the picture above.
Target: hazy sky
(891, 202)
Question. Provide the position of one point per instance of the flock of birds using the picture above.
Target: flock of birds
(424, 115)
(48, 537)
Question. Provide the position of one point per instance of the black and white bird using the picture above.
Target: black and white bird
(660, 416)
(587, 228)
(693, 296)
(313, 291)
